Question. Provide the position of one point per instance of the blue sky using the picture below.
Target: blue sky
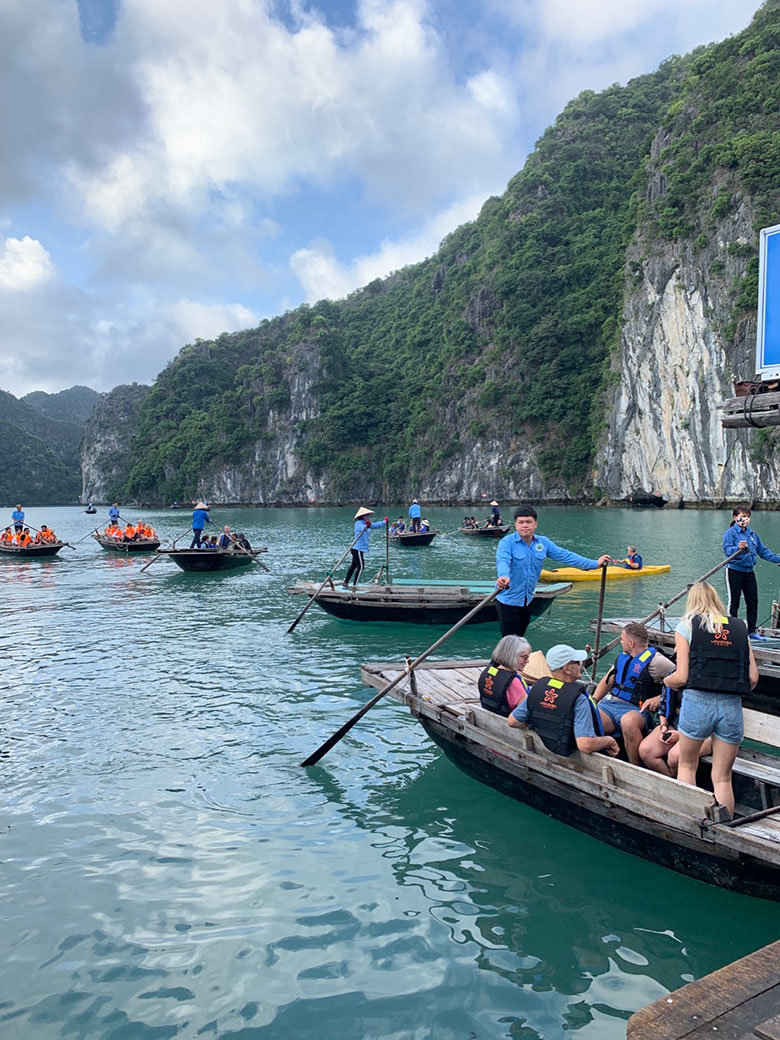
(174, 169)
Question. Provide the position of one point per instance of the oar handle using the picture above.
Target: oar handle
(321, 751)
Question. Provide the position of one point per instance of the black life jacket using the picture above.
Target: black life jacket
(493, 684)
(719, 661)
(633, 681)
(551, 713)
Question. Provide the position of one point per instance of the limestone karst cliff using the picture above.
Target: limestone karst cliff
(571, 343)
(105, 459)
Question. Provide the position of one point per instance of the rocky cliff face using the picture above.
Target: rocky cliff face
(106, 451)
(678, 358)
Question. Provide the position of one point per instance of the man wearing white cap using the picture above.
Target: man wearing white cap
(559, 709)
(363, 526)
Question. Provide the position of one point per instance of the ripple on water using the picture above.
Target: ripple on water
(170, 870)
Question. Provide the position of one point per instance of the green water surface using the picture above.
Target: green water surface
(169, 870)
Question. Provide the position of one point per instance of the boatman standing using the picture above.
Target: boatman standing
(363, 528)
(18, 518)
(200, 517)
(113, 514)
(415, 512)
(519, 560)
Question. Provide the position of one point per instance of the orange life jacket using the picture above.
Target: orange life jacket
(23, 539)
(129, 531)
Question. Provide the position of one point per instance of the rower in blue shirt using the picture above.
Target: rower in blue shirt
(113, 514)
(18, 518)
(363, 528)
(415, 512)
(519, 560)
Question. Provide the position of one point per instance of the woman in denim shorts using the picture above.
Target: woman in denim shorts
(715, 667)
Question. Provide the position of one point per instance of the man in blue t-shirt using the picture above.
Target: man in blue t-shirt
(415, 512)
(519, 560)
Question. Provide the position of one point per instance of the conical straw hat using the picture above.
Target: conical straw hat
(363, 512)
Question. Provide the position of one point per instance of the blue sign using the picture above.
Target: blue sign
(768, 337)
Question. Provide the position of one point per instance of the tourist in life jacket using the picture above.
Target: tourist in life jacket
(634, 686)
(559, 709)
(48, 534)
(424, 526)
(7, 535)
(633, 561)
(226, 539)
(715, 668)
(23, 537)
(18, 518)
(129, 533)
(660, 749)
(243, 542)
(501, 686)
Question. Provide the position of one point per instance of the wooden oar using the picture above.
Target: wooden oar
(753, 817)
(665, 606)
(323, 749)
(235, 547)
(325, 579)
(600, 619)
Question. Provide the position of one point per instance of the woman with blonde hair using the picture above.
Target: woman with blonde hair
(715, 668)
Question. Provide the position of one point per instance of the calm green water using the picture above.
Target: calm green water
(169, 870)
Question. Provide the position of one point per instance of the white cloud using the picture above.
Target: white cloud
(322, 276)
(24, 264)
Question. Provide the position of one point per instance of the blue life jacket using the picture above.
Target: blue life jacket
(633, 681)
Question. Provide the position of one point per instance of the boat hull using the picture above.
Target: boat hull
(575, 574)
(31, 552)
(145, 545)
(608, 823)
(412, 540)
(484, 532)
(201, 560)
(433, 604)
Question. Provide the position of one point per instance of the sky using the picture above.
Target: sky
(175, 169)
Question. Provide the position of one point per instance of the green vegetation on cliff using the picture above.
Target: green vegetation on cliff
(507, 332)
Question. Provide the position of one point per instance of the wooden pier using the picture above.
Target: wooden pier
(738, 1002)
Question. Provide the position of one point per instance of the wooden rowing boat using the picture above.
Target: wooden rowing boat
(201, 560)
(34, 551)
(484, 532)
(575, 574)
(633, 809)
(441, 602)
(409, 539)
(135, 545)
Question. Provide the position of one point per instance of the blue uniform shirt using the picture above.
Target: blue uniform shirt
(746, 561)
(522, 564)
(113, 513)
(200, 518)
(362, 543)
(17, 516)
(414, 511)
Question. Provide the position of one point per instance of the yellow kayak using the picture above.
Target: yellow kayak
(575, 574)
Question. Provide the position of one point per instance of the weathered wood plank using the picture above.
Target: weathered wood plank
(701, 1007)
(753, 410)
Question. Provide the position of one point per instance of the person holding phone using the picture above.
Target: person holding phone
(740, 574)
